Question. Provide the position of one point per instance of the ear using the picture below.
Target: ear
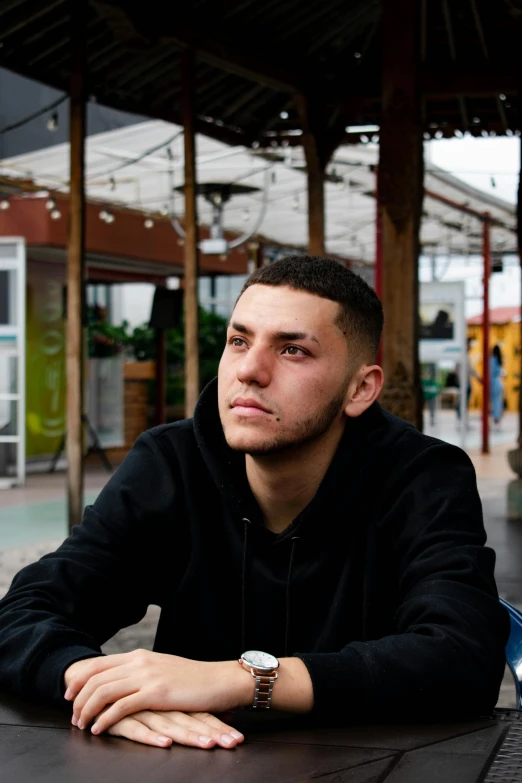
(363, 390)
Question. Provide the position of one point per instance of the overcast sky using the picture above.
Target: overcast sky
(491, 165)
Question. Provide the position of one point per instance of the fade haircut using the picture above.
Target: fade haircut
(360, 314)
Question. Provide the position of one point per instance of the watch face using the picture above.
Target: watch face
(260, 660)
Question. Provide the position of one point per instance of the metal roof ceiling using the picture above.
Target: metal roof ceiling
(252, 57)
(139, 166)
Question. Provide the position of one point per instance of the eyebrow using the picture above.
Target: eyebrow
(278, 335)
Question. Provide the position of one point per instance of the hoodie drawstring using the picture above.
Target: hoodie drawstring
(295, 539)
(243, 585)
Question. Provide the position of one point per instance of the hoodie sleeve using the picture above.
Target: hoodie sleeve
(102, 578)
(445, 655)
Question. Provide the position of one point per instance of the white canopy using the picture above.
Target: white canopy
(138, 165)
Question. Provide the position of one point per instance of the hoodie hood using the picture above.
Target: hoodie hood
(227, 468)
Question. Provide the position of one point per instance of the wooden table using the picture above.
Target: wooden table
(40, 745)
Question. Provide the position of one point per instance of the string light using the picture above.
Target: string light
(148, 223)
(56, 214)
(110, 218)
(4, 204)
(283, 115)
(52, 122)
(50, 204)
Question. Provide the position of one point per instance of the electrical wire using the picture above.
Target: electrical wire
(139, 158)
(34, 115)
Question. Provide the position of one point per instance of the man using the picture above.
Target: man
(292, 524)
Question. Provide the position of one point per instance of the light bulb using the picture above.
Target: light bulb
(56, 214)
(283, 115)
(4, 204)
(50, 204)
(103, 214)
(52, 122)
(148, 223)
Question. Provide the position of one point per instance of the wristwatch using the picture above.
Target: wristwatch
(263, 668)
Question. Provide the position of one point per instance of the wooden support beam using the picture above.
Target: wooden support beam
(231, 55)
(316, 230)
(76, 271)
(400, 202)
(319, 142)
(160, 413)
(191, 238)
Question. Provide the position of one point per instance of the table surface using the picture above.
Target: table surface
(39, 744)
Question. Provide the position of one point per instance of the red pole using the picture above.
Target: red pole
(486, 249)
(378, 252)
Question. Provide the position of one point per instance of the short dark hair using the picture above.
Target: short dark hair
(360, 317)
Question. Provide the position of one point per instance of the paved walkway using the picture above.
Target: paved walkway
(33, 522)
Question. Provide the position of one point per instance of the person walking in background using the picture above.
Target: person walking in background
(470, 373)
(497, 373)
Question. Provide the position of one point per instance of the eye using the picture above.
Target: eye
(237, 342)
(294, 350)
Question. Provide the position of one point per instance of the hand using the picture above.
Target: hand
(161, 729)
(144, 680)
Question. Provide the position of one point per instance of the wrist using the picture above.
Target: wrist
(239, 684)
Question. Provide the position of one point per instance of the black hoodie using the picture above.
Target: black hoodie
(382, 585)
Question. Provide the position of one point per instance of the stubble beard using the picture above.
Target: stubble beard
(303, 432)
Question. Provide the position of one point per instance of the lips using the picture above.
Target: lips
(248, 402)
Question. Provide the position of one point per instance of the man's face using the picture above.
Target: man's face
(284, 373)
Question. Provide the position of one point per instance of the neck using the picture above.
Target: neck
(284, 483)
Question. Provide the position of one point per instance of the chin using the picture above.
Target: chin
(246, 442)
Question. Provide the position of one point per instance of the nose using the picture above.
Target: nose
(255, 367)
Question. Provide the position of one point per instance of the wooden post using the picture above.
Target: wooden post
(486, 381)
(400, 203)
(161, 377)
(318, 149)
(378, 255)
(76, 271)
(191, 238)
(315, 179)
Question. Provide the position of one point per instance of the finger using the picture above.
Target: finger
(218, 725)
(192, 722)
(175, 728)
(137, 731)
(97, 681)
(93, 667)
(114, 694)
(119, 710)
